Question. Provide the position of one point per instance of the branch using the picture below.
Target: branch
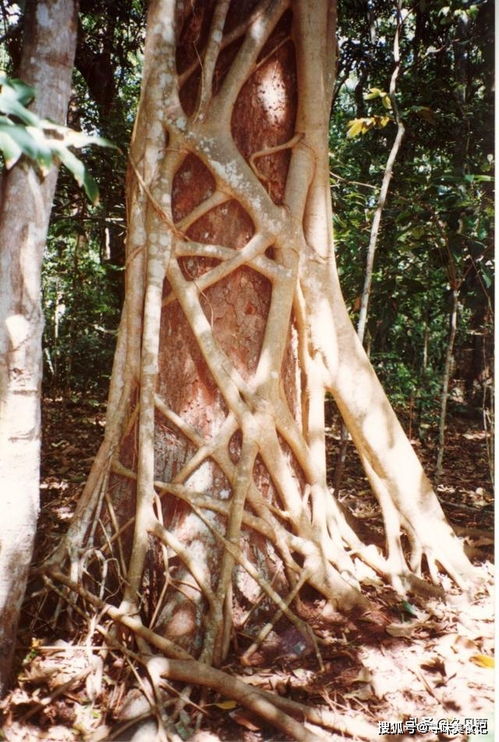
(257, 35)
(240, 486)
(210, 56)
(228, 379)
(216, 199)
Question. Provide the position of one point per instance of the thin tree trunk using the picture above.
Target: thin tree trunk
(385, 184)
(375, 227)
(448, 366)
(47, 62)
(373, 239)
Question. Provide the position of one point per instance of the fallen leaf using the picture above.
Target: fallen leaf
(483, 660)
(462, 644)
(401, 629)
(409, 609)
(434, 664)
(364, 676)
(242, 719)
(226, 705)
(364, 693)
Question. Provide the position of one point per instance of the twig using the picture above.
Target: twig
(131, 622)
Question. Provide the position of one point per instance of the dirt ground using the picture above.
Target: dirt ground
(414, 668)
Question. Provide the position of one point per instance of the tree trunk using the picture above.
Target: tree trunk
(47, 61)
(210, 491)
(446, 378)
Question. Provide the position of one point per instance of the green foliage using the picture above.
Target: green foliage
(24, 133)
(80, 312)
(437, 225)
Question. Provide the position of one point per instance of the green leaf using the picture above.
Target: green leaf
(486, 278)
(12, 105)
(17, 137)
(375, 93)
(409, 609)
(80, 139)
(23, 92)
(10, 149)
(479, 178)
(79, 171)
(72, 138)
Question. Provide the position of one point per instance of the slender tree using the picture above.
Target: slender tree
(209, 492)
(49, 39)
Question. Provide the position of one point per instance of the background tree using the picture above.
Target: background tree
(439, 218)
(83, 270)
(210, 489)
(49, 38)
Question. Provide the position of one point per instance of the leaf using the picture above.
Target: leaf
(381, 121)
(486, 278)
(375, 93)
(71, 138)
(8, 146)
(41, 140)
(409, 608)
(434, 664)
(363, 125)
(363, 693)
(80, 172)
(426, 113)
(11, 105)
(228, 705)
(483, 660)
(242, 719)
(23, 92)
(401, 630)
(364, 676)
(19, 137)
(355, 128)
(470, 178)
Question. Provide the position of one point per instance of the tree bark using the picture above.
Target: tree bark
(47, 62)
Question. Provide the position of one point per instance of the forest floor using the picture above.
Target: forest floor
(428, 660)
